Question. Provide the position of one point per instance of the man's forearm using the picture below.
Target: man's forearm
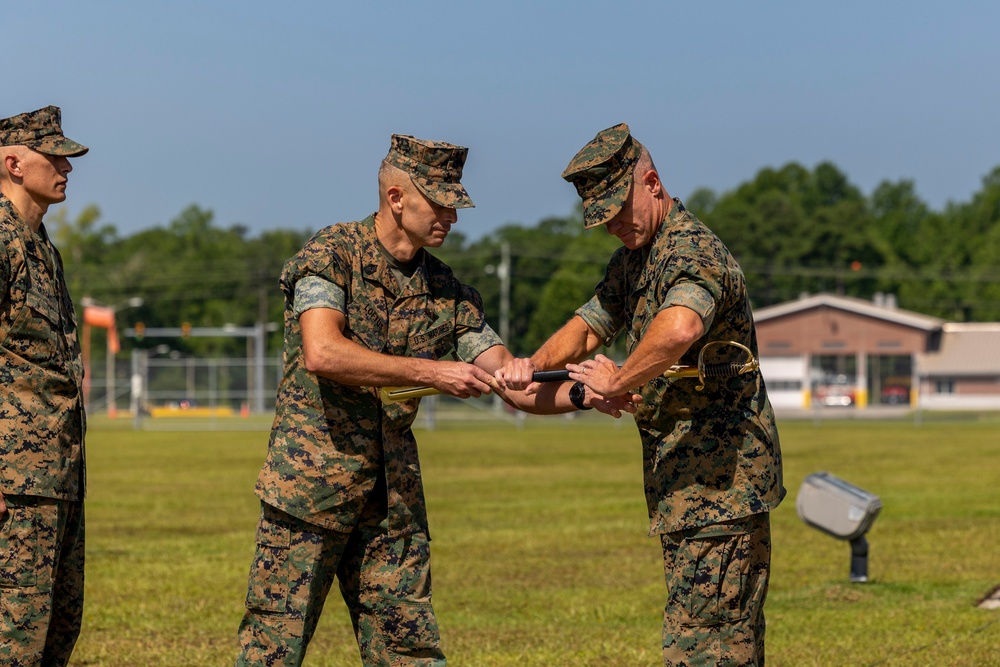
(667, 338)
(572, 343)
(352, 364)
(328, 353)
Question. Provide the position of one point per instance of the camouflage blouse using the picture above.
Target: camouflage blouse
(330, 442)
(711, 455)
(42, 421)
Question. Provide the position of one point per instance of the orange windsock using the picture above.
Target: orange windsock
(99, 316)
(103, 317)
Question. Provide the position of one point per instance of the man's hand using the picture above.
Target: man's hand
(516, 375)
(598, 374)
(3, 506)
(462, 380)
(614, 405)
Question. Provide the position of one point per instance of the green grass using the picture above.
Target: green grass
(540, 552)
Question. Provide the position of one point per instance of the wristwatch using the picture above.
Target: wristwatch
(576, 395)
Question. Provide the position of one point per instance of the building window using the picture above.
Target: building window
(785, 385)
(944, 386)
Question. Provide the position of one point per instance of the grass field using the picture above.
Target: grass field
(540, 551)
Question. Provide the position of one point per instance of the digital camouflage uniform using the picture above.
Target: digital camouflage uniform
(341, 487)
(711, 458)
(42, 425)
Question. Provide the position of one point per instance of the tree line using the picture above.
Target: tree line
(794, 230)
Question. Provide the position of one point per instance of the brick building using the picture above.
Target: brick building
(827, 350)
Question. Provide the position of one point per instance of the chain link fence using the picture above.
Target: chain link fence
(152, 392)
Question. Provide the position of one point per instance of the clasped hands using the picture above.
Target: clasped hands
(597, 376)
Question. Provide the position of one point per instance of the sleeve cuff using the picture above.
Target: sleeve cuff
(599, 320)
(473, 342)
(693, 297)
(315, 292)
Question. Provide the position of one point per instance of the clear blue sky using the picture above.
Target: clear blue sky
(277, 114)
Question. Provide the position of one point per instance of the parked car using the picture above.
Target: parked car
(895, 394)
(839, 394)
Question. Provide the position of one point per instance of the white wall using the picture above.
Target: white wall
(778, 371)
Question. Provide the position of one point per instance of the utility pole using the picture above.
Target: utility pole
(503, 272)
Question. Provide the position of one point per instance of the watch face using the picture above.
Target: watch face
(576, 395)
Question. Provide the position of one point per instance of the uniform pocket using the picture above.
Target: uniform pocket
(18, 547)
(714, 568)
(267, 589)
(43, 306)
(39, 333)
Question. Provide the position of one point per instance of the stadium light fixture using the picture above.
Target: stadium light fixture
(840, 510)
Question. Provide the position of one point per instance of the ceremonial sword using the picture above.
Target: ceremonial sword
(702, 371)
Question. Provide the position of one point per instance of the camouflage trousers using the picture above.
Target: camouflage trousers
(385, 581)
(717, 579)
(41, 581)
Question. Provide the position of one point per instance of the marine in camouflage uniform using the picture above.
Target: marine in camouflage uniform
(42, 420)
(367, 306)
(711, 458)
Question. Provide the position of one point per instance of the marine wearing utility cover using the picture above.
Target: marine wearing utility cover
(341, 489)
(42, 420)
(711, 455)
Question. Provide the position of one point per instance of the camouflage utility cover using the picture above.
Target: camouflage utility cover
(42, 421)
(40, 130)
(602, 173)
(435, 167)
(329, 441)
(708, 456)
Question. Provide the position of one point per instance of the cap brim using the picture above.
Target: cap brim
(601, 210)
(449, 195)
(59, 146)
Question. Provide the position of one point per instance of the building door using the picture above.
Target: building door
(890, 379)
(834, 379)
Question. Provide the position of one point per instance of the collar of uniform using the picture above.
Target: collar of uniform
(652, 251)
(8, 206)
(376, 269)
(676, 213)
(32, 240)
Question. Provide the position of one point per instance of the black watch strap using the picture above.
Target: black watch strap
(577, 394)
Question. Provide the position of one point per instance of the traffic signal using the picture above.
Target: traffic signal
(185, 329)
(140, 330)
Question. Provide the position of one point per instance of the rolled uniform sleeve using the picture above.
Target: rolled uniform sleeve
(315, 292)
(473, 335)
(599, 320)
(691, 275)
(324, 273)
(694, 296)
(473, 342)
